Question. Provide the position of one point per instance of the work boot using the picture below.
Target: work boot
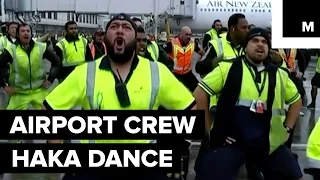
(311, 105)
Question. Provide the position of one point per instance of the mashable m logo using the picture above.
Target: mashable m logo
(307, 27)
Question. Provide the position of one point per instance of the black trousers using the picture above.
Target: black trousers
(223, 163)
(184, 150)
(303, 65)
(64, 73)
(299, 85)
(252, 169)
(189, 80)
(316, 175)
(314, 172)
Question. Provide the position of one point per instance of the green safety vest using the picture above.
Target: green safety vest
(223, 35)
(318, 65)
(4, 43)
(278, 134)
(73, 53)
(95, 99)
(313, 147)
(27, 72)
(223, 49)
(213, 34)
(153, 49)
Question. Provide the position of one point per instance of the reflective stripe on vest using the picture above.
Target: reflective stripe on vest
(65, 62)
(313, 147)
(275, 112)
(153, 50)
(15, 65)
(283, 92)
(318, 65)
(90, 82)
(3, 43)
(224, 49)
(248, 103)
(93, 49)
(290, 59)
(213, 34)
(182, 56)
(219, 52)
(155, 82)
(220, 47)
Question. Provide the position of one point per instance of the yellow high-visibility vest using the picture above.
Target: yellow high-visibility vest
(225, 51)
(153, 49)
(313, 147)
(27, 72)
(73, 53)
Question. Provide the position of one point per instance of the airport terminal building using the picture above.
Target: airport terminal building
(92, 14)
(51, 15)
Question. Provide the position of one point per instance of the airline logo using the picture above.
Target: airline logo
(239, 4)
(295, 25)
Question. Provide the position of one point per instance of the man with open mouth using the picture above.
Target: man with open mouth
(150, 49)
(121, 80)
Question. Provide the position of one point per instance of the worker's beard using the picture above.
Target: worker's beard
(256, 59)
(127, 54)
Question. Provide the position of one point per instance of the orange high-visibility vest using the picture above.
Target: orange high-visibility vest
(182, 56)
(93, 49)
(290, 59)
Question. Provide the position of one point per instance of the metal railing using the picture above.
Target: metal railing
(152, 24)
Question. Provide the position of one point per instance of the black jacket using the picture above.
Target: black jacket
(99, 48)
(163, 56)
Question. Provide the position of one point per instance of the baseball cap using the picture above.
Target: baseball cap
(99, 33)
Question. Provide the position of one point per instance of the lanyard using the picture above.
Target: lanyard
(236, 52)
(255, 82)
